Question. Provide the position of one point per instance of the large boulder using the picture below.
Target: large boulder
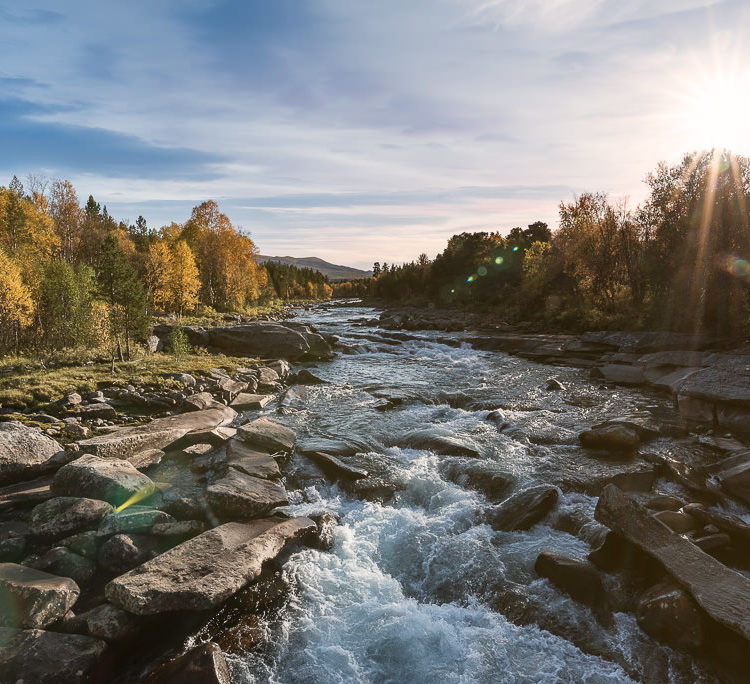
(260, 339)
(64, 516)
(157, 434)
(33, 655)
(267, 435)
(109, 479)
(486, 477)
(204, 571)
(135, 519)
(240, 496)
(32, 598)
(63, 562)
(669, 614)
(523, 509)
(26, 453)
(723, 593)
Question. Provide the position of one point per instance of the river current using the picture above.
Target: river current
(417, 588)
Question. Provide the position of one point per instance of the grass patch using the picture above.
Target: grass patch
(33, 383)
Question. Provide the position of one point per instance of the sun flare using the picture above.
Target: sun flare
(718, 114)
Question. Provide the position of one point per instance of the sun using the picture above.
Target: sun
(717, 113)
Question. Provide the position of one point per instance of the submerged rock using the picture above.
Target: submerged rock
(432, 439)
(523, 509)
(32, 598)
(204, 571)
(25, 453)
(336, 466)
(488, 478)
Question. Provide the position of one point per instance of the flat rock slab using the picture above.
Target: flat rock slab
(64, 516)
(726, 379)
(157, 434)
(247, 460)
(109, 479)
(146, 458)
(523, 509)
(26, 453)
(337, 467)
(134, 519)
(267, 435)
(251, 402)
(723, 593)
(39, 657)
(241, 496)
(32, 598)
(204, 571)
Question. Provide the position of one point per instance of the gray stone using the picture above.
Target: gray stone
(260, 339)
(723, 593)
(523, 509)
(489, 478)
(281, 367)
(337, 467)
(433, 439)
(135, 519)
(25, 453)
(251, 402)
(554, 385)
(63, 562)
(146, 458)
(335, 447)
(231, 388)
(123, 552)
(179, 528)
(240, 496)
(243, 458)
(267, 435)
(200, 402)
(611, 438)
(676, 521)
(734, 477)
(204, 571)
(31, 598)
(623, 375)
(157, 434)
(33, 656)
(109, 623)
(109, 479)
(306, 377)
(85, 544)
(97, 410)
(26, 493)
(63, 516)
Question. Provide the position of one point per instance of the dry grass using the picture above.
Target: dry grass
(32, 383)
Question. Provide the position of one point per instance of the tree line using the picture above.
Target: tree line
(678, 261)
(72, 275)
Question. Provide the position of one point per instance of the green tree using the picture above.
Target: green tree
(65, 305)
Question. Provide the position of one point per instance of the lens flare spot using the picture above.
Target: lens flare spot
(453, 291)
(470, 279)
(498, 260)
(515, 249)
(482, 271)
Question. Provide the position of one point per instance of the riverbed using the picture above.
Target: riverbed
(418, 587)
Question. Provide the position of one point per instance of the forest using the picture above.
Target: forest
(73, 276)
(678, 261)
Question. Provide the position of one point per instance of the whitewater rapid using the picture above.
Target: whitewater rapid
(418, 589)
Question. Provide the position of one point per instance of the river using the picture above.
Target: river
(418, 588)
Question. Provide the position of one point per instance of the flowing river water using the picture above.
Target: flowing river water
(418, 588)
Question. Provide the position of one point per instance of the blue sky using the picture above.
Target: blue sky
(356, 130)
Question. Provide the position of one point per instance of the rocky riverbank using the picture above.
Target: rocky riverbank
(134, 534)
(116, 545)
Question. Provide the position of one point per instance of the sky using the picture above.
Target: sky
(358, 131)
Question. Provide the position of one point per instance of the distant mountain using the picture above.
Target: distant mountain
(332, 271)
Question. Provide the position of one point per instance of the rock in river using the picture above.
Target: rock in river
(523, 509)
(32, 598)
(204, 664)
(668, 613)
(203, 572)
(268, 340)
(241, 496)
(723, 593)
(108, 479)
(245, 459)
(611, 437)
(25, 453)
(267, 435)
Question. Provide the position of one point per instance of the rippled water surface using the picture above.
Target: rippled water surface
(418, 589)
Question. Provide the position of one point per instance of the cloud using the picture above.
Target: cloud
(28, 143)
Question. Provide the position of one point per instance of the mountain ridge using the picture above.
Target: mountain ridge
(331, 271)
